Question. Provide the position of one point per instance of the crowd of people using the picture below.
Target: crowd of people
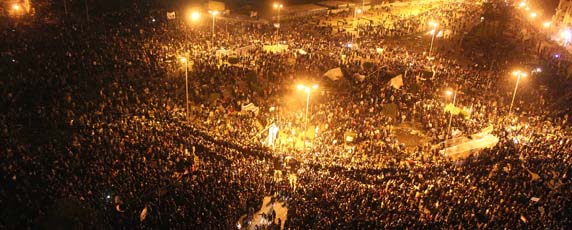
(96, 132)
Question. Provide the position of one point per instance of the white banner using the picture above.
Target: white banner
(171, 15)
(396, 82)
(334, 74)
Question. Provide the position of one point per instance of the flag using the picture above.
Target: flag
(523, 219)
(143, 214)
(253, 14)
(396, 82)
(171, 15)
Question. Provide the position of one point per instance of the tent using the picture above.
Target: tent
(334, 74)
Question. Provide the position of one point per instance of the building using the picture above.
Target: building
(563, 16)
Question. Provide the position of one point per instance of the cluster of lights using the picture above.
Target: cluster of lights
(519, 73)
(307, 88)
(532, 14)
(195, 15)
(565, 34)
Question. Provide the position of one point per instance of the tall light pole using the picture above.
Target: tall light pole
(307, 89)
(356, 27)
(214, 13)
(454, 94)
(518, 74)
(434, 25)
(185, 61)
(278, 7)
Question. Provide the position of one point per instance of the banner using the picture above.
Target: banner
(450, 108)
(171, 15)
(396, 82)
(350, 136)
(253, 14)
(272, 134)
(250, 107)
(334, 74)
(487, 141)
(275, 48)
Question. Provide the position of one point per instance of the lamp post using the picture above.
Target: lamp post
(518, 74)
(214, 13)
(356, 27)
(434, 25)
(278, 7)
(185, 61)
(454, 94)
(307, 89)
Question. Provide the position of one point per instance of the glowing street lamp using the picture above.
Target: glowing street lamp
(214, 13)
(434, 25)
(522, 4)
(566, 36)
(195, 16)
(185, 61)
(307, 89)
(518, 74)
(533, 15)
(16, 7)
(547, 24)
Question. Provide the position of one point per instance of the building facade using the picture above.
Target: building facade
(563, 16)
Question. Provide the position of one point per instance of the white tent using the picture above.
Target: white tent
(334, 74)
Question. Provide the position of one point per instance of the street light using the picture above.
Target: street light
(16, 7)
(566, 36)
(214, 13)
(185, 61)
(518, 74)
(278, 7)
(307, 89)
(434, 25)
(547, 24)
(195, 16)
(533, 15)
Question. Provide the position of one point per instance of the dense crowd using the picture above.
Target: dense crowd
(95, 128)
